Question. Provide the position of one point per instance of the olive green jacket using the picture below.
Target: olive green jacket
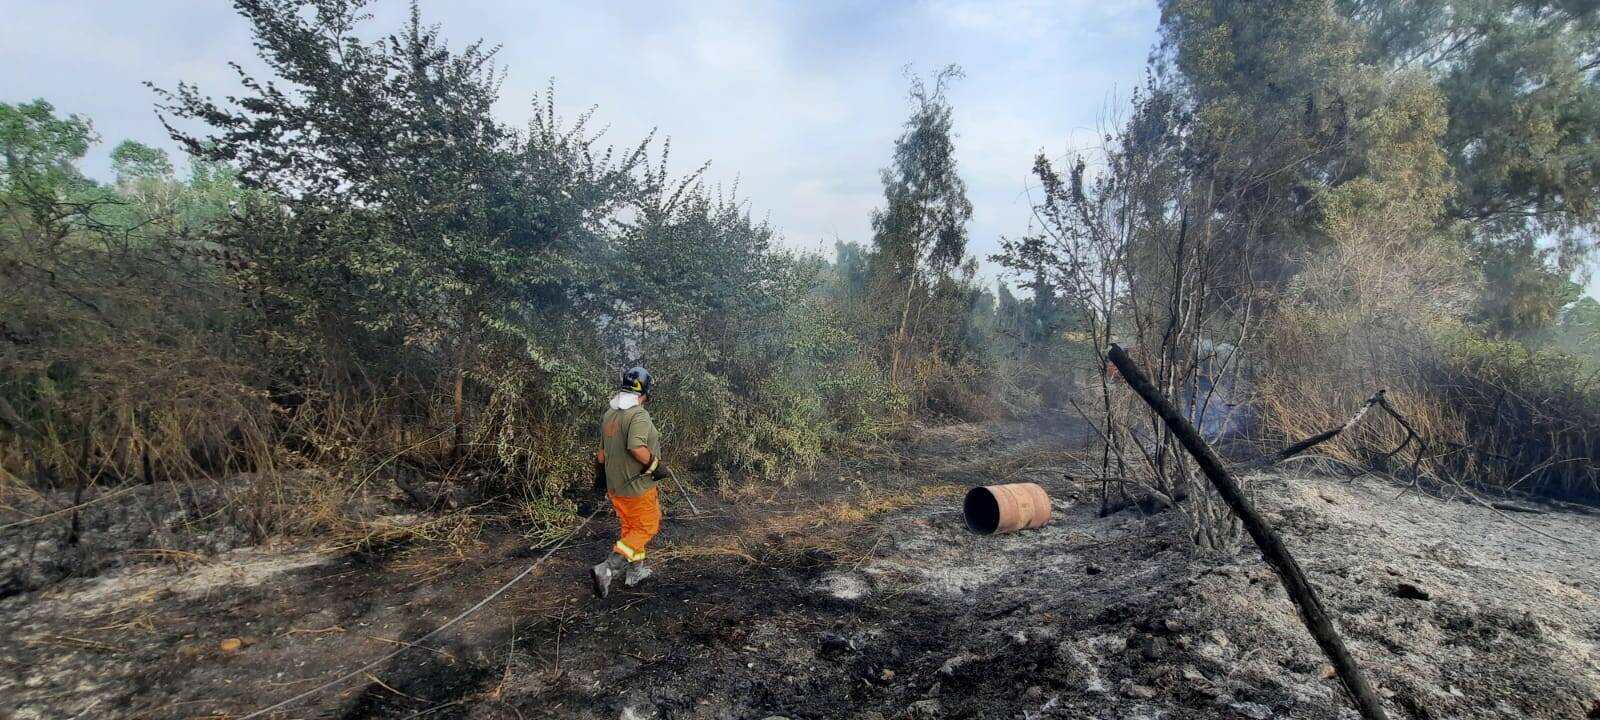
(621, 431)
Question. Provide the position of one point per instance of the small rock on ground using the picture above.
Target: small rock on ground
(1131, 689)
(1254, 711)
(1411, 591)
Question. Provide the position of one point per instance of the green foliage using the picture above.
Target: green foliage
(1431, 187)
(415, 278)
(134, 161)
(912, 298)
(39, 176)
(1523, 288)
(921, 229)
(1481, 112)
(1270, 93)
(1579, 330)
(40, 148)
(715, 312)
(1524, 105)
(1524, 101)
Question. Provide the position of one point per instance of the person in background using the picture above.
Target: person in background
(628, 468)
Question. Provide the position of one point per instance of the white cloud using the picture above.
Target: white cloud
(1009, 18)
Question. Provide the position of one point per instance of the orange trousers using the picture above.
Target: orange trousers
(641, 520)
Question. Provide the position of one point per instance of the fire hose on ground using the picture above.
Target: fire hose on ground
(448, 624)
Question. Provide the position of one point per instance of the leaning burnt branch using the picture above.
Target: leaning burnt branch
(1272, 548)
(1294, 449)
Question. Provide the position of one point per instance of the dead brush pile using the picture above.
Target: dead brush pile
(49, 535)
(1494, 417)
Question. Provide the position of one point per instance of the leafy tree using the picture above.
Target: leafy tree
(39, 176)
(417, 264)
(116, 355)
(1519, 81)
(1429, 185)
(425, 220)
(850, 273)
(133, 161)
(144, 174)
(717, 309)
(1522, 292)
(919, 236)
(1518, 77)
(1579, 329)
(1266, 85)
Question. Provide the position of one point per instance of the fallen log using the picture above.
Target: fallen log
(1272, 548)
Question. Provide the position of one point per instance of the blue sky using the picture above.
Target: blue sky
(799, 102)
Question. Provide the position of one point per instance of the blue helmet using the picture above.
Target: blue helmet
(637, 380)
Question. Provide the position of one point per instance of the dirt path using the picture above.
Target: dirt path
(877, 605)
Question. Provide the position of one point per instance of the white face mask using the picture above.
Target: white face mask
(624, 400)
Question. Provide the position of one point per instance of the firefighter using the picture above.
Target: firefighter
(628, 469)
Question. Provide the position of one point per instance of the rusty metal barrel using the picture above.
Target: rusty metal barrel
(996, 509)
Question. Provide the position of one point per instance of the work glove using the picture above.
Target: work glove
(657, 471)
(599, 486)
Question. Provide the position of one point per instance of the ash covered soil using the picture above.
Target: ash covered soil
(856, 595)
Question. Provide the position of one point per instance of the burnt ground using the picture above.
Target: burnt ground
(858, 594)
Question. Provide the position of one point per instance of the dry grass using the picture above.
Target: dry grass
(545, 520)
(459, 530)
(180, 558)
(878, 502)
(1292, 412)
(140, 622)
(75, 643)
(831, 528)
(729, 546)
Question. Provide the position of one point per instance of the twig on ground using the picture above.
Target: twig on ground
(433, 709)
(77, 642)
(1491, 508)
(561, 627)
(291, 632)
(384, 685)
(857, 564)
(435, 651)
(75, 508)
